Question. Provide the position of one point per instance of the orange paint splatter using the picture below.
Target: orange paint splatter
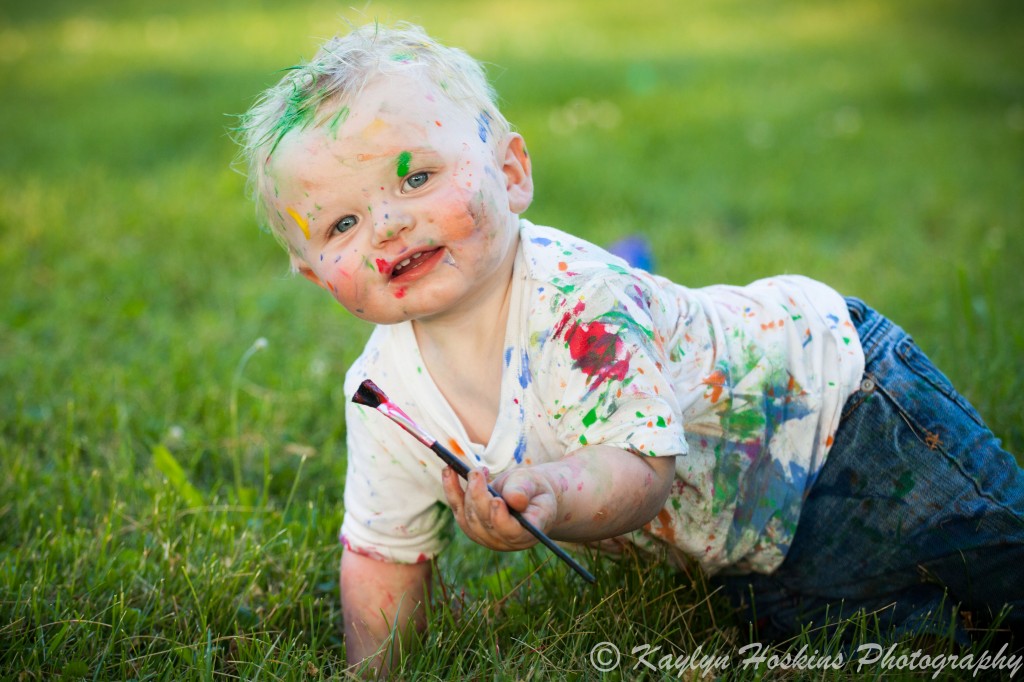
(563, 266)
(716, 381)
(454, 447)
(666, 531)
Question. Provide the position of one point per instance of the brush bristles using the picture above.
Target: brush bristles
(370, 395)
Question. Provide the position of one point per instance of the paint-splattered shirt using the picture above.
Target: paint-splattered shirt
(744, 384)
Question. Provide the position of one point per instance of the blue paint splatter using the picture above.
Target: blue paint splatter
(483, 123)
(524, 370)
(520, 449)
(543, 241)
(508, 356)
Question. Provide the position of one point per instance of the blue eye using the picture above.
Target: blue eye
(416, 180)
(345, 224)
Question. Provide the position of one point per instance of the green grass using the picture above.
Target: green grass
(168, 511)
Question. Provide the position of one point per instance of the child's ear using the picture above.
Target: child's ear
(518, 174)
(299, 265)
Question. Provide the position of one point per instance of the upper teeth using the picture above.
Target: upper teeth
(407, 261)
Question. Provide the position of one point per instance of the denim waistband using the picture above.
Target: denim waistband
(871, 325)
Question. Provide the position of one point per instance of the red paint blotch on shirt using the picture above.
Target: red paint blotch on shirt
(598, 352)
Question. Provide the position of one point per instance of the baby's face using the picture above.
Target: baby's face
(404, 207)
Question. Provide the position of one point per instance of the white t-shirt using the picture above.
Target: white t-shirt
(745, 384)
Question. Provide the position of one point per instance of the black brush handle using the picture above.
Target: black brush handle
(462, 470)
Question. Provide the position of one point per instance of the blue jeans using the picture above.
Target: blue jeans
(917, 509)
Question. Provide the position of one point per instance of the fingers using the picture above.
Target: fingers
(453, 491)
(517, 490)
(483, 517)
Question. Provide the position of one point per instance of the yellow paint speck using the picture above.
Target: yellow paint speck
(374, 128)
(302, 222)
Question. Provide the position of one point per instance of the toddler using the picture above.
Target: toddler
(794, 443)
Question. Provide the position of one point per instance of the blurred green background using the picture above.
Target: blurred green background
(878, 146)
(874, 145)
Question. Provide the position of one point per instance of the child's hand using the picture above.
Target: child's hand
(594, 493)
(485, 518)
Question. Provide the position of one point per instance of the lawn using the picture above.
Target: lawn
(172, 437)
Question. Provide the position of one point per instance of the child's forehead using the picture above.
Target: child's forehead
(395, 96)
(387, 117)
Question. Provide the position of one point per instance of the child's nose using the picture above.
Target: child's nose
(391, 223)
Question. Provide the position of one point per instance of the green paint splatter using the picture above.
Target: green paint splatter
(367, 263)
(583, 440)
(747, 424)
(590, 417)
(639, 414)
(403, 164)
(626, 320)
(661, 422)
(300, 107)
(905, 483)
(337, 120)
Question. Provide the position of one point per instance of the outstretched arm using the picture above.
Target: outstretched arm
(594, 493)
(378, 598)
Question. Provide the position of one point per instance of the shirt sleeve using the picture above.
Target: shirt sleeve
(393, 506)
(606, 369)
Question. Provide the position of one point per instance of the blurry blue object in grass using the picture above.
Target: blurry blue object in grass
(635, 250)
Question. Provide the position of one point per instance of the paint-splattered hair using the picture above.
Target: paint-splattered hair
(317, 93)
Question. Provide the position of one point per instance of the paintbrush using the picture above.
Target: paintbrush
(370, 395)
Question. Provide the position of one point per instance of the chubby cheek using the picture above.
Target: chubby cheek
(342, 281)
(456, 216)
(470, 202)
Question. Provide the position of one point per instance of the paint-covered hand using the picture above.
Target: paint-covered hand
(486, 519)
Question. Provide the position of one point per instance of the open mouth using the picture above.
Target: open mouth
(416, 264)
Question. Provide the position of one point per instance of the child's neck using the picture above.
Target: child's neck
(463, 353)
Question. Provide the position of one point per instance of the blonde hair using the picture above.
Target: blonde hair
(316, 94)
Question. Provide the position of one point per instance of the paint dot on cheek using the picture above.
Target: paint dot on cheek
(400, 293)
(381, 264)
